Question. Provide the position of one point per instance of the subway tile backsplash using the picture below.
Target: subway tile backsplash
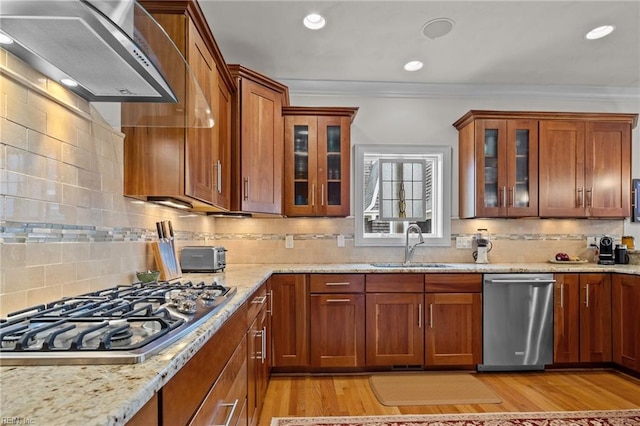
(66, 228)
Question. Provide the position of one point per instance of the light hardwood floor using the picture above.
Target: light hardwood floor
(531, 391)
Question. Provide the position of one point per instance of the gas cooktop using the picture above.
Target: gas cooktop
(118, 325)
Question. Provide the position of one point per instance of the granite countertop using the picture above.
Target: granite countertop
(112, 394)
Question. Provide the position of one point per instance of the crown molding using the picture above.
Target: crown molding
(434, 90)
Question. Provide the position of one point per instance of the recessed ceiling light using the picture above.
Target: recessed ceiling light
(313, 21)
(413, 66)
(5, 39)
(437, 28)
(69, 82)
(600, 32)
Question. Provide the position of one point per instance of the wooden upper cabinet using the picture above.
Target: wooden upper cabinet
(258, 145)
(191, 162)
(546, 164)
(498, 166)
(585, 169)
(317, 161)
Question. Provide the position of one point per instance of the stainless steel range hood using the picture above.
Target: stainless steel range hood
(107, 47)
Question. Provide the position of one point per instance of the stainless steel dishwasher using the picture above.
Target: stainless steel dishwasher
(517, 325)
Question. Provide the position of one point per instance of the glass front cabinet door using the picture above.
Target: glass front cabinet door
(498, 167)
(506, 168)
(317, 159)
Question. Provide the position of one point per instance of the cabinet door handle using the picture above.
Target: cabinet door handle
(215, 176)
(562, 295)
(270, 302)
(219, 182)
(586, 298)
(338, 300)
(512, 196)
(338, 284)
(263, 355)
(581, 195)
(419, 315)
(313, 194)
(246, 189)
(259, 300)
(590, 198)
(231, 412)
(322, 193)
(504, 196)
(430, 315)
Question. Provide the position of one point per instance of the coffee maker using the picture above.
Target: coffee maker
(483, 246)
(605, 256)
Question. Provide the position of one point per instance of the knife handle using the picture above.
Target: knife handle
(170, 229)
(165, 231)
(159, 228)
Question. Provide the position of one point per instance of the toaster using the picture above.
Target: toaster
(203, 259)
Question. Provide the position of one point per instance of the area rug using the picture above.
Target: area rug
(564, 418)
(431, 389)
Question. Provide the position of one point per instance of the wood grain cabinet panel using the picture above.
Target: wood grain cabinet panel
(453, 329)
(290, 320)
(394, 329)
(582, 318)
(587, 169)
(337, 330)
(626, 321)
(257, 142)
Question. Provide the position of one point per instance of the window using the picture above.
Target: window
(398, 185)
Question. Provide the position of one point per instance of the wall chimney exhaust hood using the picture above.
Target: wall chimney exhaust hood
(114, 50)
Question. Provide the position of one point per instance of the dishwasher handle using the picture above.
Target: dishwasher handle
(519, 281)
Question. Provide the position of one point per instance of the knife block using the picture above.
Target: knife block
(166, 260)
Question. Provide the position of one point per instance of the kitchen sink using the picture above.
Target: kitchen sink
(412, 265)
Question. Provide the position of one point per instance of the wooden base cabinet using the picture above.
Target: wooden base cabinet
(582, 333)
(626, 321)
(453, 324)
(394, 319)
(337, 320)
(258, 353)
(290, 320)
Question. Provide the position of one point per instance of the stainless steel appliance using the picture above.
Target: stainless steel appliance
(203, 259)
(621, 254)
(517, 322)
(118, 325)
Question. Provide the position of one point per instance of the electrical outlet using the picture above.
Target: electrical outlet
(464, 242)
(288, 241)
(340, 240)
(593, 241)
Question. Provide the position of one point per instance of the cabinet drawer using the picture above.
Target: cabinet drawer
(226, 398)
(256, 302)
(453, 283)
(182, 395)
(337, 283)
(395, 283)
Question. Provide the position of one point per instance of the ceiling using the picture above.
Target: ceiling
(506, 43)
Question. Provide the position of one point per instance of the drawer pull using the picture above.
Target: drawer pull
(338, 284)
(259, 300)
(338, 300)
(231, 412)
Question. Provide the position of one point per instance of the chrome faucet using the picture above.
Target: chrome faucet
(408, 250)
